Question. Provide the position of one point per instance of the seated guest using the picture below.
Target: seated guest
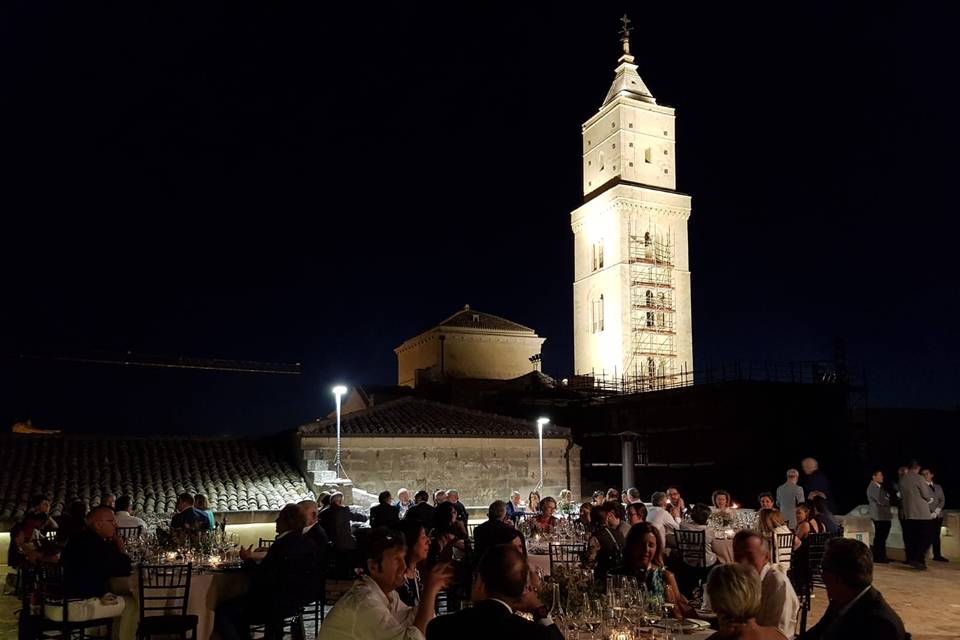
(422, 510)
(499, 589)
(371, 608)
(93, 556)
(822, 515)
(699, 515)
(73, 520)
(565, 502)
(545, 521)
(734, 592)
(533, 502)
(765, 500)
(108, 500)
(313, 530)
(336, 523)
(633, 495)
(598, 498)
(636, 512)
(801, 549)
(721, 501)
(323, 501)
(778, 601)
(188, 517)
(606, 542)
(280, 585)
(453, 497)
(806, 523)
(513, 506)
(403, 502)
(200, 504)
(384, 514)
(856, 609)
(447, 533)
(586, 510)
(492, 531)
(674, 499)
(418, 548)
(439, 497)
(664, 520)
(643, 559)
(39, 505)
(613, 495)
(125, 517)
(770, 524)
(27, 545)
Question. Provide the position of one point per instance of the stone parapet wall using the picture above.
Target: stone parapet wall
(481, 469)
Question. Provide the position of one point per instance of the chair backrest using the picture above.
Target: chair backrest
(470, 529)
(693, 546)
(164, 589)
(129, 532)
(523, 515)
(50, 587)
(569, 554)
(49, 534)
(265, 543)
(817, 543)
(783, 547)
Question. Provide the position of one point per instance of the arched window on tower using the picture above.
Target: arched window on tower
(601, 312)
(596, 314)
(647, 246)
(649, 305)
(661, 305)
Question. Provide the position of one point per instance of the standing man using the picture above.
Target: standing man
(879, 501)
(789, 497)
(816, 480)
(917, 498)
(938, 502)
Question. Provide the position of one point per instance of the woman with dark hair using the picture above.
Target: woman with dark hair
(823, 516)
(533, 502)
(447, 533)
(643, 559)
(418, 548)
(584, 518)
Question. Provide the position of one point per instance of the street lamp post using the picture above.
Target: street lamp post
(338, 391)
(540, 423)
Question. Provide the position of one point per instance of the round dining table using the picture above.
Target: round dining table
(208, 588)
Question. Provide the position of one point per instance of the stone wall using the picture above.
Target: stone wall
(481, 469)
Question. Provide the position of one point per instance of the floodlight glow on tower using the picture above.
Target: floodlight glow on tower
(540, 423)
(338, 392)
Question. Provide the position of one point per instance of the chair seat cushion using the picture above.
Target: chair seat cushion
(85, 610)
(167, 624)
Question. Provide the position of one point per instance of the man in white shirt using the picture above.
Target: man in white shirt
(789, 495)
(664, 521)
(778, 601)
(371, 609)
(124, 516)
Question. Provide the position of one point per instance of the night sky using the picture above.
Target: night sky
(304, 185)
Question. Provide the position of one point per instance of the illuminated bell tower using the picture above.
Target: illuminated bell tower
(631, 288)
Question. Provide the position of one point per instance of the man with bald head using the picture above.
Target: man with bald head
(94, 555)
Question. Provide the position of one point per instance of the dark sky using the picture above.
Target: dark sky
(316, 184)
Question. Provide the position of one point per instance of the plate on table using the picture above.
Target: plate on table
(687, 624)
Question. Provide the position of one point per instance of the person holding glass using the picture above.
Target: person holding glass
(643, 559)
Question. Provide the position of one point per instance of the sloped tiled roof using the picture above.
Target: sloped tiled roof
(473, 319)
(416, 417)
(236, 474)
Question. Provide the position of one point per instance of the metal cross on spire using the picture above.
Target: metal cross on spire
(625, 30)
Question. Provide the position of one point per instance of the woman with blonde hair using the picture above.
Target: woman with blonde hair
(734, 592)
(200, 503)
(770, 524)
(721, 501)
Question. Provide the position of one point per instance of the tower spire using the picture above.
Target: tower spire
(625, 30)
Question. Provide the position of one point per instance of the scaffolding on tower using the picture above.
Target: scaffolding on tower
(653, 354)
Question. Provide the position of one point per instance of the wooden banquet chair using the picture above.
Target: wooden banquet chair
(811, 574)
(129, 532)
(783, 548)
(54, 619)
(164, 596)
(265, 543)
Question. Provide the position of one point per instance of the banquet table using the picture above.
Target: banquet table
(207, 591)
(539, 561)
(723, 547)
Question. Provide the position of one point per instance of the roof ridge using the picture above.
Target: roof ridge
(492, 315)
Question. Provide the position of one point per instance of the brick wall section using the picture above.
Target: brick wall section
(482, 469)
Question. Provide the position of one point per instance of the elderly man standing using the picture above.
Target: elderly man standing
(789, 497)
(917, 500)
(856, 610)
(778, 601)
(937, 506)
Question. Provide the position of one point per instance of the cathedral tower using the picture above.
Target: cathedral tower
(631, 289)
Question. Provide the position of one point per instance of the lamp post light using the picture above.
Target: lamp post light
(338, 392)
(540, 423)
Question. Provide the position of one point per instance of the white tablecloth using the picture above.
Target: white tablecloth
(537, 561)
(207, 590)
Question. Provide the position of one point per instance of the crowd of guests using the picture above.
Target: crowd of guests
(418, 547)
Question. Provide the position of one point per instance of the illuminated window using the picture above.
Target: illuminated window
(600, 254)
(601, 312)
(596, 314)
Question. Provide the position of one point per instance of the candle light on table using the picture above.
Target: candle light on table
(621, 634)
(171, 556)
(214, 560)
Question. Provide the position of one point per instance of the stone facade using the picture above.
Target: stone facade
(481, 469)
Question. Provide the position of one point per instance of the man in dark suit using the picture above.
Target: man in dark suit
(93, 556)
(187, 517)
(384, 514)
(284, 581)
(498, 590)
(422, 510)
(315, 532)
(336, 520)
(453, 497)
(496, 530)
(916, 499)
(878, 500)
(856, 610)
